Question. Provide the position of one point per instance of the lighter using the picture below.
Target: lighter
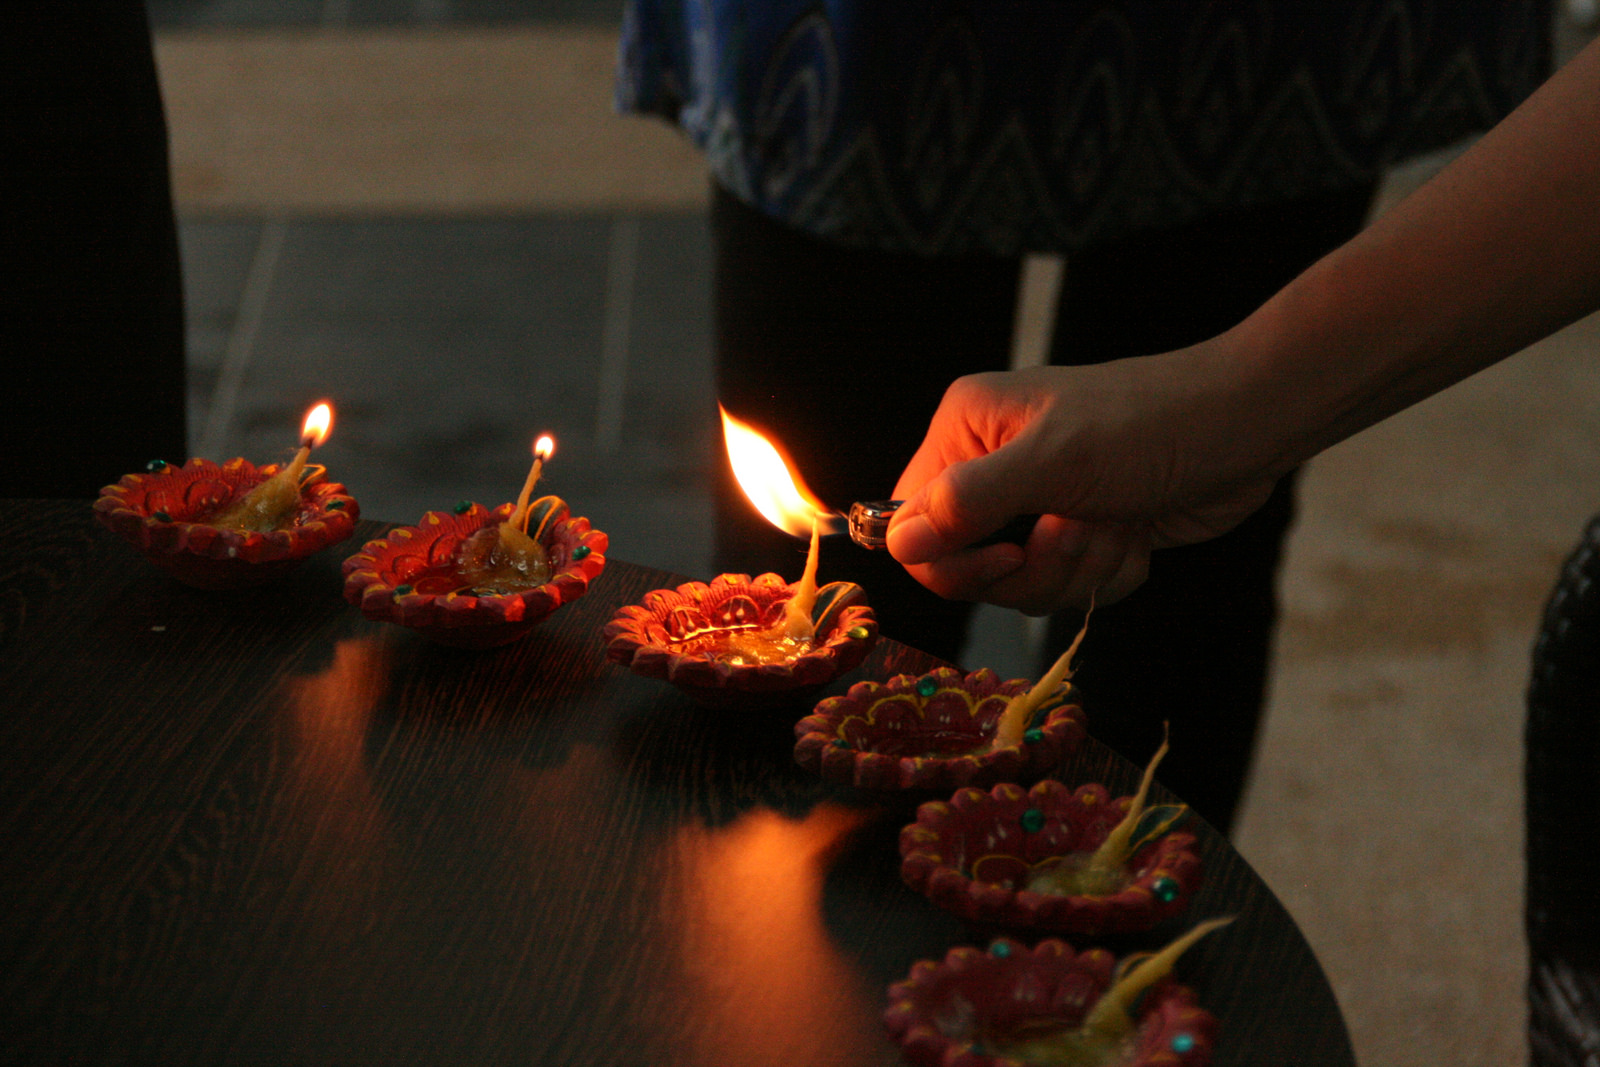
(869, 525)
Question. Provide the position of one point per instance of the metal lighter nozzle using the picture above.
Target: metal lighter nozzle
(869, 521)
(869, 525)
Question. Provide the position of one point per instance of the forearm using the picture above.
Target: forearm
(1497, 251)
(1500, 249)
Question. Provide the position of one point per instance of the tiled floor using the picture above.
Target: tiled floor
(449, 345)
(450, 334)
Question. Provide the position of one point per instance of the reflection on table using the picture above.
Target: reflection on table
(257, 828)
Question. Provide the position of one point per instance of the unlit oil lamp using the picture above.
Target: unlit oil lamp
(945, 729)
(474, 577)
(742, 640)
(1052, 1005)
(232, 525)
(1053, 858)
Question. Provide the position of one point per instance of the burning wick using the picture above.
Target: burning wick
(543, 449)
(506, 558)
(774, 488)
(313, 432)
(513, 536)
(266, 506)
(797, 624)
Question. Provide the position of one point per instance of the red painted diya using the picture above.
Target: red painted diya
(166, 514)
(422, 576)
(935, 732)
(1039, 858)
(691, 636)
(1013, 1005)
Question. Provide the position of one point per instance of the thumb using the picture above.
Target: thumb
(961, 504)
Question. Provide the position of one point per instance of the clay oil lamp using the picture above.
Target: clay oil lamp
(1015, 1006)
(474, 577)
(233, 525)
(743, 641)
(944, 729)
(1052, 858)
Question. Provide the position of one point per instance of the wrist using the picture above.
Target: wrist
(1335, 351)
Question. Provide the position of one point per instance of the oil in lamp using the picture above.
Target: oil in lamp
(741, 640)
(945, 729)
(264, 507)
(473, 577)
(987, 1008)
(232, 525)
(504, 557)
(1076, 861)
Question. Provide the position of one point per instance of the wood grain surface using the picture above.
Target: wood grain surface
(255, 828)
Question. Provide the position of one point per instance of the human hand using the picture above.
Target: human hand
(1116, 458)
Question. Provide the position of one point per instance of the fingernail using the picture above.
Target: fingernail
(912, 540)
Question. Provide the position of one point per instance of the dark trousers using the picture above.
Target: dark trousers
(91, 297)
(843, 354)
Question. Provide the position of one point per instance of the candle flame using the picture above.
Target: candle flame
(543, 448)
(769, 480)
(318, 424)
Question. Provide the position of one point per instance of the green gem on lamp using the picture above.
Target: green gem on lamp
(1032, 820)
(1166, 889)
(580, 552)
(462, 507)
(927, 686)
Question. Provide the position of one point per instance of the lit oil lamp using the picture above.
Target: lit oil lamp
(774, 488)
(233, 525)
(1049, 857)
(743, 640)
(1051, 1005)
(505, 558)
(265, 507)
(478, 578)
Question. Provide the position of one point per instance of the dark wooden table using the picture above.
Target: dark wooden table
(255, 828)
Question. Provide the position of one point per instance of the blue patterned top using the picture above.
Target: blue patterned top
(1006, 125)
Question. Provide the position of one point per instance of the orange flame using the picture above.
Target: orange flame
(318, 424)
(544, 448)
(769, 479)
